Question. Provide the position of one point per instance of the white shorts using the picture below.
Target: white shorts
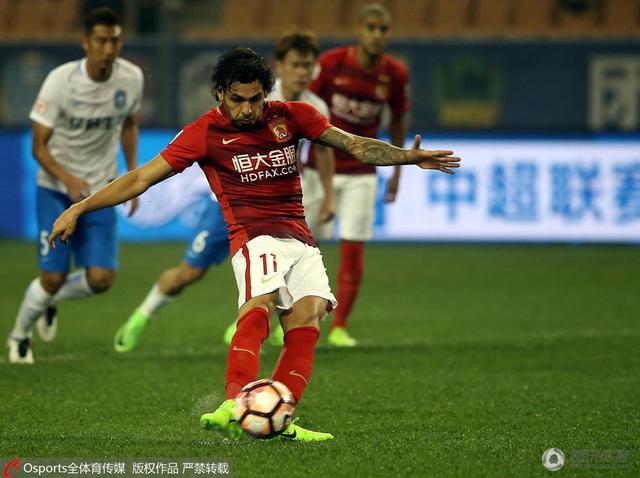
(266, 264)
(355, 201)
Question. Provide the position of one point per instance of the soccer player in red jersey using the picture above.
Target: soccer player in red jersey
(357, 82)
(246, 147)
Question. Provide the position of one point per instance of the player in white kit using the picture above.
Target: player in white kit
(83, 110)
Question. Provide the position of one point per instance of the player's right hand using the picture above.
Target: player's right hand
(77, 188)
(63, 227)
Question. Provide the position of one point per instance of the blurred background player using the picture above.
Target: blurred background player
(247, 149)
(208, 246)
(82, 109)
(296, 54)
(357, 82)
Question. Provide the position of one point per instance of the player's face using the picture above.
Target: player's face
(243, 103)
(102, 47)
(373, 34)
(295, 71)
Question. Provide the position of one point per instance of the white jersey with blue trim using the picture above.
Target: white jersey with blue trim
(86, 117)
(306, 96)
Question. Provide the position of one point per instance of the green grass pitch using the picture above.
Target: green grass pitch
(474, 359)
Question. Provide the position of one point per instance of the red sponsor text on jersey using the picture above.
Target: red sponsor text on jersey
(252, 172)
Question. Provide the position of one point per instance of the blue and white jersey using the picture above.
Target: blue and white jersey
(306, 96)
(86, 117)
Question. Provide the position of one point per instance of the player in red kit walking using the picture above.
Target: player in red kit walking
(357, 82)
(246, 147)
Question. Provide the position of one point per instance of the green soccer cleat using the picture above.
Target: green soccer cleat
(296, 433)
(339, 337)
(128, 336)
(222, 420)
(228, 333)
(276, 338)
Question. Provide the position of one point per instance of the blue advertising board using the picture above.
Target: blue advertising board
(532, 190)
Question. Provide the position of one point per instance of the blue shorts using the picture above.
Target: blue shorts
(209, 244)
(93, 244)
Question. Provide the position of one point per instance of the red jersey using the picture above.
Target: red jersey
(356, 97)
(252, 172)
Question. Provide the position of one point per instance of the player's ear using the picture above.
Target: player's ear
(85, 41)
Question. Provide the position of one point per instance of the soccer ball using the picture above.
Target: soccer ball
(264, 408)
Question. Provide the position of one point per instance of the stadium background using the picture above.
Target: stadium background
(540, 98)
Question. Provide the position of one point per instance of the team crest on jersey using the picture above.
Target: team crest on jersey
(120, 99)
(279, 129)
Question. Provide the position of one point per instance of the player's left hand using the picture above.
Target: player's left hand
(133, 206)
(63, 227)
(392, 188)
(439, 159)
(327, 211)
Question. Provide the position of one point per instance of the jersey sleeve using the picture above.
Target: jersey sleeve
(49, 101)
(188, 147)
(311, 122)
(323, 107)
(321, 78)
(139, 88)
(399, 94)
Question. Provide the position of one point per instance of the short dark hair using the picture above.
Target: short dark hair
(373, 9)
(241, 65)
(300, 40)
(100, 16)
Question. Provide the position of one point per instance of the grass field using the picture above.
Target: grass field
(473, 360)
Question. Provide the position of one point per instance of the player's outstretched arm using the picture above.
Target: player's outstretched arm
(122, 189)
(373, 151)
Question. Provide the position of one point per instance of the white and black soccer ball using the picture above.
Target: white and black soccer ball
(264, 408)
(553, 459)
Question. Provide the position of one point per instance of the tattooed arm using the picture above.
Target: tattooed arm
(373, 151)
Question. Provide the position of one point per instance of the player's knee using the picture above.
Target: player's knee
(52, 281)
(306, 320)
(266, 301)
(191, 274)
(308, 316)
(100, 281)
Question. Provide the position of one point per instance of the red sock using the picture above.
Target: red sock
(243, 359)
(349, 278)
(296, 360)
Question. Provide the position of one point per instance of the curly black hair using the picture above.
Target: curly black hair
(241, 65)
